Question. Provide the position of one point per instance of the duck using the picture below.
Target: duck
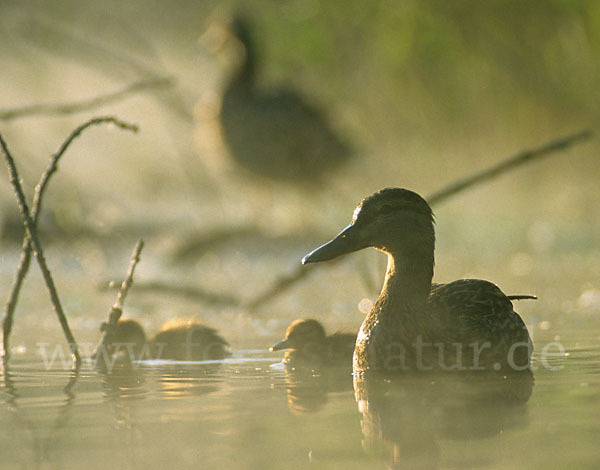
(306, 342)
(178, 339)
(275, 134)
(188, 340)
(414, 325)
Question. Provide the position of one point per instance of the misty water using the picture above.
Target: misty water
(245, 412)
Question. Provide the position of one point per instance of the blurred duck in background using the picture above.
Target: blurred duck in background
(178, 339)
(273, 133)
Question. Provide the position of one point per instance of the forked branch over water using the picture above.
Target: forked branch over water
(40, 189)
(39, 254)
(284, 282)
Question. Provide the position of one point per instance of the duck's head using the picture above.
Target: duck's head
(393, 220)
(231, 40)
(125, 336)
(301, 333)
(240, 28)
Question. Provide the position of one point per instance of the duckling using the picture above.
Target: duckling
(307, 342)
(186, 340)
(274, 134)
(125, 340)
(414, 325)
(180, 340)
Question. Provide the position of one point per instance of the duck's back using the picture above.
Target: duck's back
(478, 315)
(193, 342)
(279, 135)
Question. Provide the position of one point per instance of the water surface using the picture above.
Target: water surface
(246, 412)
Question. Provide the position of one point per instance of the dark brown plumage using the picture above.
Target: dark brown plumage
(189, 341)
(178, 340)
(125, 340)
(307, 342)
(275, 133)
(466, 324)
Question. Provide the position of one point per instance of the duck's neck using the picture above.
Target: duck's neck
(407, 280)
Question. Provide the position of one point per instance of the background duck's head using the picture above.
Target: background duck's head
(240, 29)
(393, 220)
(231, 40)
(300, 334)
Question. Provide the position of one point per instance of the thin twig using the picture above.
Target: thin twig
(285, 281)
(117, 309)
(115, 312)
(40, 189)
(509, 164)
(37, 249)
(85, 105)
(193, 247)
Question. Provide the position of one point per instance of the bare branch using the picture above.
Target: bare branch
(509, 164)
(39, 254)
(117, 308)
(40, 189)
(85, 105)
(108, 328)
(187, 291)
(279, 286)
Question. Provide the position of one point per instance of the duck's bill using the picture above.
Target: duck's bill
(345, 242)
(279, 346)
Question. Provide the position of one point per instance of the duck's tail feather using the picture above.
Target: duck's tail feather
(522, 297)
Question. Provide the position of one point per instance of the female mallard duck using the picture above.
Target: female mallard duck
(307, 342)
(180, 340)
(275, 133)
(417, 325)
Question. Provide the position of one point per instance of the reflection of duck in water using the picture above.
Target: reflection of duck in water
(180, 340)
(307, 343)
(407, 419)
(315, 364)
(275, 133)
(414, 325)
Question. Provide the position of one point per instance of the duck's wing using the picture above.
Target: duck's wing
(473, 311)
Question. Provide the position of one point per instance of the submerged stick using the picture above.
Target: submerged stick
(40, 190)
(509, 164)
(286, 281)
(39, 254)
(85, 105)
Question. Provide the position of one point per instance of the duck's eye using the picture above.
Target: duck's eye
(385, 209)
